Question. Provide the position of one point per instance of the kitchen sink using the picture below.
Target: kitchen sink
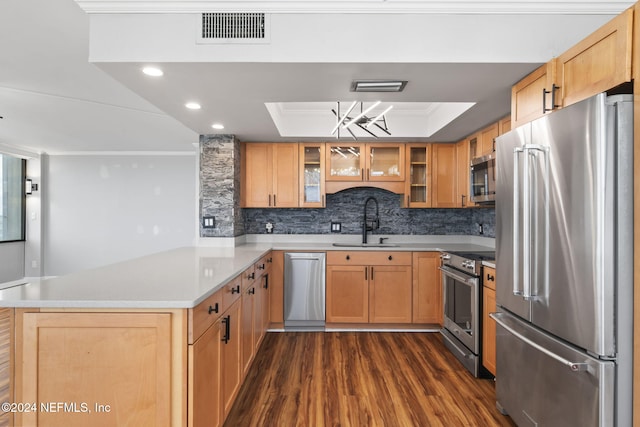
(365, 245)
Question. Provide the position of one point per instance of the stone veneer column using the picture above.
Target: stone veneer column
(220, 185)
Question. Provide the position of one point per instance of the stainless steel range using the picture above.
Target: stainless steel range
(461, 282)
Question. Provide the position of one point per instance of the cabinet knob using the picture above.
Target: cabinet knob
(390, 258)
(348, 257)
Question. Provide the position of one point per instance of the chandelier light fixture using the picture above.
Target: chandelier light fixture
(361, 120)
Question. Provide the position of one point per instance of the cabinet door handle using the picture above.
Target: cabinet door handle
(227, 329)
(269, 199)
(408, 200)
(462, 202)
(265, 281)
(553, 98)
(251, 276)
(274, 200)
(366, 273)
(235, 290)
(371, 273)
(252, 291)
(491, 277)
(362, 174)
(270, 260)
(213, 309)
(261, 267)
(368, 174)
(323, 202)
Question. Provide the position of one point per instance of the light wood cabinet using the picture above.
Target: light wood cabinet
(311, 171)
(487, 139)
(276, 290)
(356, 165)
(599, 62)
(390, 294)
(488, 324)
(6, 363)
(248, 315)
(205, 402)
(504, 125)
(368, 287)
(427, 288)
(231, 365)
(444, 176)
(270, 172)
(347, 298)
(130, 363)
(418, 182)
(531, 97)
(463, 181)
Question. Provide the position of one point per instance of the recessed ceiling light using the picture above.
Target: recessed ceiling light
(378, 85)
(192, 105)
(217, 126)
(152, 71)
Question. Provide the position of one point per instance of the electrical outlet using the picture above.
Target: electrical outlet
(480, 228)
(208, 222)
(336, 227)
(269, 227)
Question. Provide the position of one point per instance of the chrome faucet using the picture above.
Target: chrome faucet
(369, 224)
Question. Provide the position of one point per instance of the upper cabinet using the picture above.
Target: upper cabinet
(463, 182)
(418, 182)
(531, 96)
(311, 173)
(356, 164)
(598, 63)
(270, 175)
(444, 176)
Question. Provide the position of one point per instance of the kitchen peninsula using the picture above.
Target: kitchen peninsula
(126, 343)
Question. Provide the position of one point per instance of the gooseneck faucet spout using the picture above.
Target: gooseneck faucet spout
(369, 224)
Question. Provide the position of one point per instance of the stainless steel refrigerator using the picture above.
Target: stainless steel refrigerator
(564, 258)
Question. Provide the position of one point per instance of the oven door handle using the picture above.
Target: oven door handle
(469, 280)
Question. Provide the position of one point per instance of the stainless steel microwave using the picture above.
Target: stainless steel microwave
(483, 179)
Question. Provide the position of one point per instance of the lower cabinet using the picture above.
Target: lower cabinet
(488, 324)
(231, 356)
(205, 356)
(368, 287)
(100, 368)
(427, 288)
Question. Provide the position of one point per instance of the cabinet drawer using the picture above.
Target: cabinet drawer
(377, 258)
(263, 266)
(231, 292)
(248, 277)
(204, 315)
(489, 277)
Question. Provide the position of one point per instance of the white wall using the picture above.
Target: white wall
(106, 208)
(11, 261)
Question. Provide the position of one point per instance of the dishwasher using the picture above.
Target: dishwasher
(304, 291)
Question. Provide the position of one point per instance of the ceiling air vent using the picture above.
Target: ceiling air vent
(234, 28)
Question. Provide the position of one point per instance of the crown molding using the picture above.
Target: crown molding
(589, 7)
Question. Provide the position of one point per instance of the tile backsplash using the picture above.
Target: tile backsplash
(347, 208)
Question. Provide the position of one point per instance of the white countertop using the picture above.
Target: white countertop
(183, 277)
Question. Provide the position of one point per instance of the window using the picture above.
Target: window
(12, 198)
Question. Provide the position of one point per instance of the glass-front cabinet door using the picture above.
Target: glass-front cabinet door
(385, 162)
(418, 183)
(312, 158)
(345, 162)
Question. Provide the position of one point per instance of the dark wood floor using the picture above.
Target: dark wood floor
(362, 379)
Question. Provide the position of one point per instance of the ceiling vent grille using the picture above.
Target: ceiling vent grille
(234, 28)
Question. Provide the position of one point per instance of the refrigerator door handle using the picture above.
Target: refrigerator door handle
(573, 366)
(516, 222)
